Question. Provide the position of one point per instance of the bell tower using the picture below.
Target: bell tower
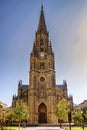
(42, 70)
(42, 74)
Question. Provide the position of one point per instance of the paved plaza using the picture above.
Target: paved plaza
(41, 128)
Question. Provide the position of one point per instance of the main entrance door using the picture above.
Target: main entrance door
(42, 113)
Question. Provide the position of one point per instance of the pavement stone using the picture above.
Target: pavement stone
(41, 128)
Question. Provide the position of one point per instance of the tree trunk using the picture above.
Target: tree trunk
(65, 125)
(60, 124)
(1, 125)
(19, 125)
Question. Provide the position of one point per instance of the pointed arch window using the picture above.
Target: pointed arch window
(42, 66)
(41, 49)
(41, 42)
(35, 81)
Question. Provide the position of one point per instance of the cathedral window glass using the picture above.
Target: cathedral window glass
(52, 80)
(34, 65)
(42, 79)
(35, 81)
(41, 49)
(41, 42)
(42, 66)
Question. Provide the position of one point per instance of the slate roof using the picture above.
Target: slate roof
(60, 86)
(24, 86)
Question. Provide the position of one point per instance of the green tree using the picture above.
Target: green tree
(62, 110)
(0, 112)
(2, 117)
(85, 111)
(20, 112)
(77, 116)
(86, 114)
(9, 117)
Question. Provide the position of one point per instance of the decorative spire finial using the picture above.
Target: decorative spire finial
(42, 25)
(42, 7)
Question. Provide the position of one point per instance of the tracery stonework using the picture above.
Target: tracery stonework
(42, 94)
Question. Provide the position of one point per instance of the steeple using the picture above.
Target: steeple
(42, 25)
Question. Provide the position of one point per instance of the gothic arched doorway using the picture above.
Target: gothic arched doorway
(42, 113)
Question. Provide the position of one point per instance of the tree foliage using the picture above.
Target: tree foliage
(62, 110)
(85, 111)
(77, 116)
(20, 112)
(86, 114)
(9, 117)
(0, 113)
(2, 117)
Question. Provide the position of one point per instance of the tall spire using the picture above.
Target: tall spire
(42, 25)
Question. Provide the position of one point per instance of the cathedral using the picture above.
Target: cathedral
(42, 94)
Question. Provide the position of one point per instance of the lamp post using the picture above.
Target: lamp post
(83, 116)
(70, 115)
(70, 118)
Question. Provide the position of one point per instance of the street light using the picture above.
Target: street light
(83, 115)
(70, 118)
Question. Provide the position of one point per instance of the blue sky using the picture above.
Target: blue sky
(66, 22)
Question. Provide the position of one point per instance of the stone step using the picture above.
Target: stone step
(41, 128)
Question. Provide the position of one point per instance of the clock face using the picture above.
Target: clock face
(42, 55)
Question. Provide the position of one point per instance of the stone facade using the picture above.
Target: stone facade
(42, 94)
(3, 105)
(83, 104)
